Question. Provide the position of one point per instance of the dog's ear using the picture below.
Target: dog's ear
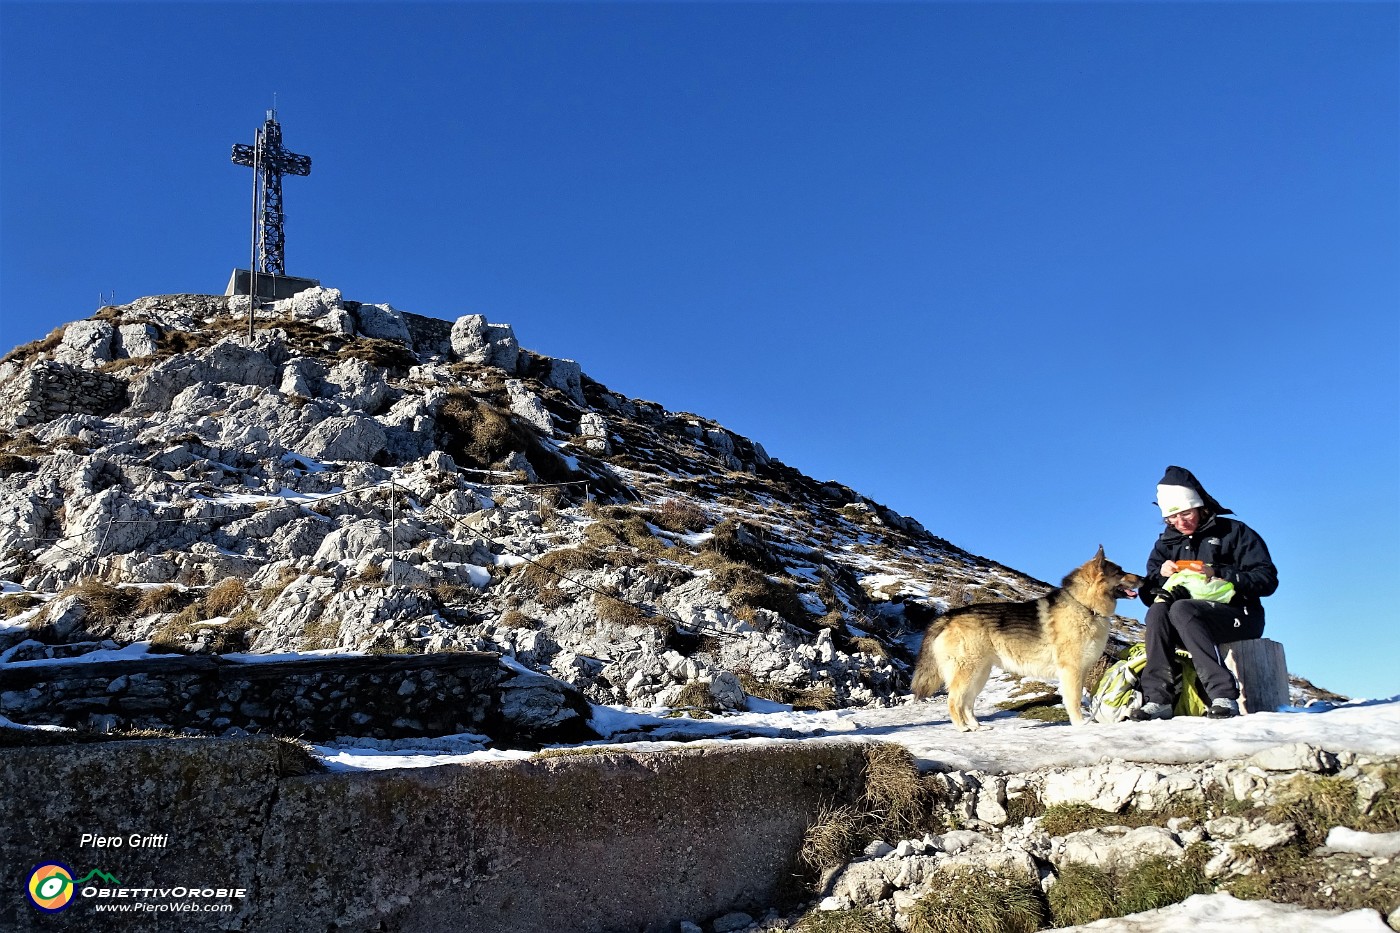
(1098, 558)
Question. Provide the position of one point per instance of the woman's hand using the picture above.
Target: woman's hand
(1168, 568)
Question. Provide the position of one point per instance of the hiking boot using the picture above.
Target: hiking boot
(1152, 711)
(1223, 708)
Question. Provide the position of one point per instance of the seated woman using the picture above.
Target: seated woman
(1198, 536)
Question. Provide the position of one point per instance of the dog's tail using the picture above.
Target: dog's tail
(927, 678)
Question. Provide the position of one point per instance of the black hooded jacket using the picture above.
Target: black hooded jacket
(1234, 551)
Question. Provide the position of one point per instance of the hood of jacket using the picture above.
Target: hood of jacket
(1180, 476)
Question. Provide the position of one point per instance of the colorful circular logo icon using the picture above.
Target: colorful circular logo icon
(51, 887)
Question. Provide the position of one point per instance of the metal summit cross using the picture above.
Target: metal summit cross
(269, 162)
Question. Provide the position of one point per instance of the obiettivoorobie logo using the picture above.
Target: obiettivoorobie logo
(51, 885)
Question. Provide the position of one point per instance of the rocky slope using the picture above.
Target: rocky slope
(352, 477)
(1294, 824)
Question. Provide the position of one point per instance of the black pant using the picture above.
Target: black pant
(1199, 626)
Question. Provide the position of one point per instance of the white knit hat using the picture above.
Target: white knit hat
(1173, 499)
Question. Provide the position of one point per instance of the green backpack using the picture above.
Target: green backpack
(1117, 693)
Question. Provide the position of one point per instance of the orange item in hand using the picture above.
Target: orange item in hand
(1199, 566)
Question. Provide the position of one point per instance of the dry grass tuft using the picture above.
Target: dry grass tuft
(549, 568)
(616, 611)
(870, 646)
(11, 464)
(514, 618)
(974, 902)
(320, 634)
(1384, 813)
(480, 434)
(679, 516)
(1043, 708)
(697, 695)
(105, 603)
(895, 803)
(808, 698)
(192, 632)
(24, 352)
(160, 599)
(837, 834)
(742, 544)
(386, 354)
(750, 588)
(225, 596)
(624, 529)
(13, 604)
(895, 795)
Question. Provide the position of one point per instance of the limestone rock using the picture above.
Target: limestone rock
(354, 437)
(382, 322)
(86, 344)
(313, 304)
(138, 340)
(567, 377)
(303, 377)
(529, 407)
(1001, 861)
(540, 705)
(732, 922)
(1117, 846)
(475, 341)
(230, 360)
(593, 429)
(727, 692)
(1297, 756)
(865, 882)
(1116, 786)
(357, 386)
(963, 840)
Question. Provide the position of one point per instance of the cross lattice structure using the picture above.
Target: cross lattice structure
(270, 161)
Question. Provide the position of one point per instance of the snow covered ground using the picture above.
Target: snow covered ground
(1221, 913)
(1007, 743)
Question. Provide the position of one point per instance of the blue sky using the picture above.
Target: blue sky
(994, 265)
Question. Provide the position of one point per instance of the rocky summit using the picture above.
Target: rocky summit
(350, 477)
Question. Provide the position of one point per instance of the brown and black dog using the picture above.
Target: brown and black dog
(1062, 634)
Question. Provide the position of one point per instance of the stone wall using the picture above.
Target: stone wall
(318, 699)
(47, 390)
(580, 843)
(431, 336)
